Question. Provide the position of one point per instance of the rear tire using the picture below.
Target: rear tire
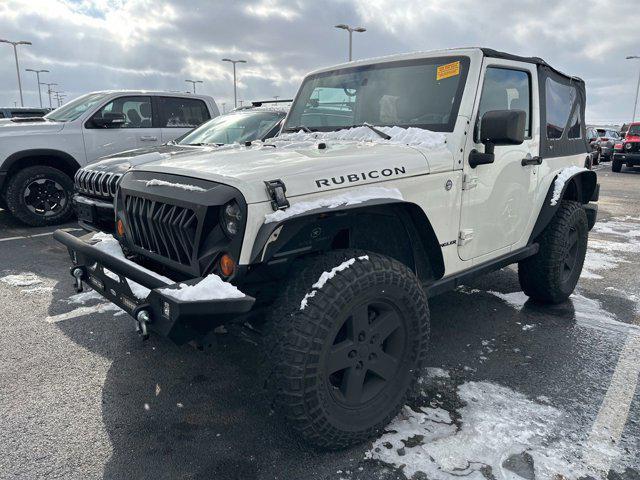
(551, 275)
(340, 368)
(40, 196)
(616, 166)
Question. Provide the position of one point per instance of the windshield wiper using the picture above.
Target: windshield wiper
(374, 129)
(297, 129)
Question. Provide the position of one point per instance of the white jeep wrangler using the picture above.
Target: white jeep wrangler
(340, 231)
(40, 155)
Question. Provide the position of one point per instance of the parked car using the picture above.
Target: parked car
(603, 145)
(344, 229)
(23, 112)
(96, 184)
(627, 150)
(39, 156)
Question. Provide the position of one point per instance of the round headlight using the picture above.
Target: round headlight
(628, 146)
(232, 216)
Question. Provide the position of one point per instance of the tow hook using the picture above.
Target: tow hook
(142, 320)
(78, 273)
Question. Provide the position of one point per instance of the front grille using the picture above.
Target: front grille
(161, 228)
(97, 184)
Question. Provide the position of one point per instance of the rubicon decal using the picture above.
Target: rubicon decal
(360, 177)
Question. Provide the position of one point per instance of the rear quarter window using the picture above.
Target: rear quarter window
(182, 112)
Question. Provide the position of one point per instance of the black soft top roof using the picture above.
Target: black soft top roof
(490, 52)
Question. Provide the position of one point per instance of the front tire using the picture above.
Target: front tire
(551, 275)
(40, 196)
(616, 166)
(342, 357)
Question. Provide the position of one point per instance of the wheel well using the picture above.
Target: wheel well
(399, 230)
(51, 158)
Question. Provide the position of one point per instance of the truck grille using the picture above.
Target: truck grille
(97, 184)
(161, 228)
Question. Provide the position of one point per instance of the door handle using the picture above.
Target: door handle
(529, 160)
(149, 138)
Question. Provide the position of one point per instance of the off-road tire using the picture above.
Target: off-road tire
(298, 343)
(551, 275)
(16, 201)
(616, 166)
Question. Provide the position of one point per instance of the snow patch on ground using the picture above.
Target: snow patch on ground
(414, 137)
(84, 297)
(617, 228)
(564, 175)
(595, 261)
(437, 372)
(495, 424)
(26, 279)
(326, 276)
(211, 287)
(515, 299)
(162, 183)
(352, 197)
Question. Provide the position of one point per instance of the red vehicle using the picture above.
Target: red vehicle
(627, 151)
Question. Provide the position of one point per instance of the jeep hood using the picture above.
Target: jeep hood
(304, 169)
(123, 161)
(9, 127)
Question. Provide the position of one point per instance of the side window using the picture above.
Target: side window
(1, 114)
(182, 112)
(137, 111)
(506, 89)
(574, 124)
(560, 101)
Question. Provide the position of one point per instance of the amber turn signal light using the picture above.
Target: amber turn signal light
(120, 228)
(227, 265)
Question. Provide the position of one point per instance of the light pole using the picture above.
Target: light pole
(193, 82)
(635, 104)
(235, 89)
(15, 53)
(37, 72)
(240, 102)
(49, 92)
(351, 30)
(224, 107)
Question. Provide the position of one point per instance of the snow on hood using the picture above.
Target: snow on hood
(414, 137)
(313, 162)
(123, 161)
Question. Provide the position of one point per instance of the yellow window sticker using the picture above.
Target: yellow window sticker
(449, 70)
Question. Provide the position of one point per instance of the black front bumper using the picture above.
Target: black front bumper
(179, 320)
(628, 158)
(94, 214)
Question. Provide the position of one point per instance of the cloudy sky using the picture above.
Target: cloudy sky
(157, 44)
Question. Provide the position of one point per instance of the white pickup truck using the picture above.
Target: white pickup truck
(39, 156)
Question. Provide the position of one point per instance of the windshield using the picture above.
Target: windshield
(72, 110)
(234, 127)
(422, 93)
(634, 130)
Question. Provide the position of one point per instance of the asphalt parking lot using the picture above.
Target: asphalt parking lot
(513, 389)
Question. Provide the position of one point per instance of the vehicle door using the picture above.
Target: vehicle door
(496, 197)
(136, 131)
(178, 115)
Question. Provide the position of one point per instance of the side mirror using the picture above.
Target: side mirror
(498, 127)
(109, 120)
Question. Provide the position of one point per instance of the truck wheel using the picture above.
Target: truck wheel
(551, 275)
(341, 358)
(40, 195)
(616, 166)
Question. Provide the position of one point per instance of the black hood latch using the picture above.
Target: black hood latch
(277, 190)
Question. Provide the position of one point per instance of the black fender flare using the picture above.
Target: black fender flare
(427, 252)
(581, 187)
(14, 161)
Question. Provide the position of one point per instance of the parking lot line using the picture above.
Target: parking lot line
(601, 448)
(82, 311)
(25, 237)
